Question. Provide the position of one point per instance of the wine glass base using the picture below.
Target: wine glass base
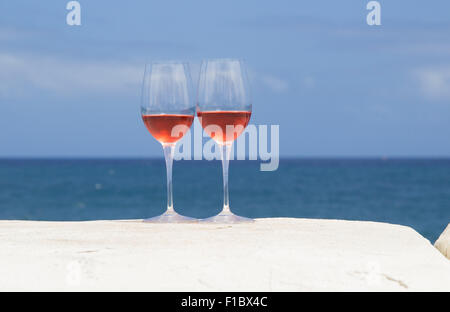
(170, 217)
(227, 217)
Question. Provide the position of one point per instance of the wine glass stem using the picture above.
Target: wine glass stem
(169, 150)
(225, 151)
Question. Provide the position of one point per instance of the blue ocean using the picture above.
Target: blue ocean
(413, 192)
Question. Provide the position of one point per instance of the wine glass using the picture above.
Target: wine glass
(224, 109)
(168, 110)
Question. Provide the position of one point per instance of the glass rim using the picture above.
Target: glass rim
(156, 62)
(216, 59)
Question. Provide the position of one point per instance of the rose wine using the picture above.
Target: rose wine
(224, 126)
(168, 128)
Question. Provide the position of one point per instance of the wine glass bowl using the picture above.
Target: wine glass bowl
(168, 111)
(167, 128)
(224, 109)
(224, 126)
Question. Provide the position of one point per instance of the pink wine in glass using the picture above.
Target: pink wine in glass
(168, 128)
(235, 120)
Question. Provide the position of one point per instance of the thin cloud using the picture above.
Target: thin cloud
(308, 82)
(274, 83)
(19, 73)
(434, 82)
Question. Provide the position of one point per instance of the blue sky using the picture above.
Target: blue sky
(336, 86)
